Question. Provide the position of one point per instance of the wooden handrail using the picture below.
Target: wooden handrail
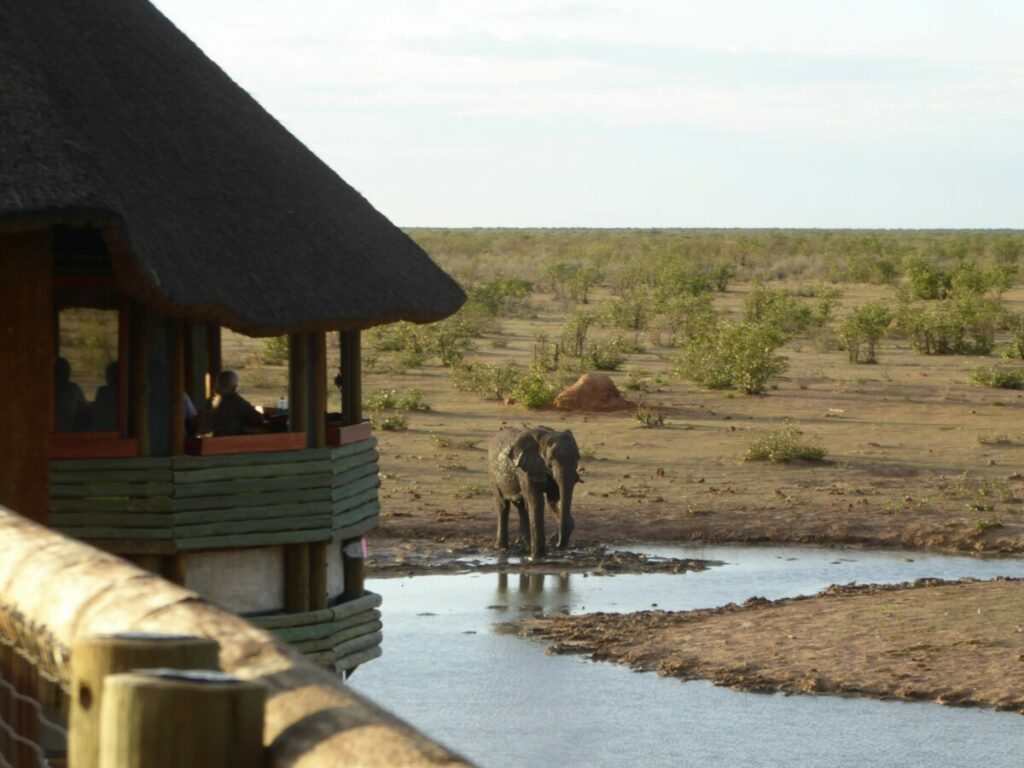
(61, 590)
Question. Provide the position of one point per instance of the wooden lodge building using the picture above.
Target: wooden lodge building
(147, 196)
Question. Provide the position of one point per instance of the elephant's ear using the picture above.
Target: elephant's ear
(533, 465)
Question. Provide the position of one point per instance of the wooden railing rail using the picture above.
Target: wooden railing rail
(55, 591)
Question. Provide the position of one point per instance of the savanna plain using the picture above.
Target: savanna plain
(838, 388)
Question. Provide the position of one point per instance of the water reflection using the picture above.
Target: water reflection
(533, 592)
(446, 639)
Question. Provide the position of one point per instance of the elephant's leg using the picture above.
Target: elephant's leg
(524, 526)
(501, 541)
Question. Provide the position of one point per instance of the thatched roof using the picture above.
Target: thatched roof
(111, 117)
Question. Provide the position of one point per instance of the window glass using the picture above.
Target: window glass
(86, 373)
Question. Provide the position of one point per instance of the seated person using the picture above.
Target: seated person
(71, 410)
(104, 408)
(228, 413)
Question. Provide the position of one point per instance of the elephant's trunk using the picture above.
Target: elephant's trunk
(565, 522)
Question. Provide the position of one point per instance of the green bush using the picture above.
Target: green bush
(955, 326)
(863, 328)
(637, 380)
(572, 280)
(630, 312)
(411, 400)
(733, 355)
(535, 389)
(495, 382)
(274, 350)
(688, 315)
(604, 357)
(781, 309)
(1000, 378)
(500, 296)
(782, 445)
(926, 280)
(647, 416)
(382, 399)
(574, 333)
(1014, 323)
(393, 422)
(721, 276)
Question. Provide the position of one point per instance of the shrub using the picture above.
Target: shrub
(721, 276)
(605, 357)
(688, 315)
(535, 389)
(393, 422)
(779, 308)
(637, 381)
(274, 350)
(926, 280)
(631, 312)
(412, 400)
(500, 296)
(999, 378)
(574, 333)
(1015, 325)
(496, 382)
(382, 399)
(956, 326)
(583, 279)
(863, 328)
(782, 445)
(647, 416)
(736, 355)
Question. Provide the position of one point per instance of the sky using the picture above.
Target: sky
(651, 113)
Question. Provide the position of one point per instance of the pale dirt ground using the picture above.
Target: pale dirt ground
(917, 458)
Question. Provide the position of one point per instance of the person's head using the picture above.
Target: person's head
(227, 382)
(62, 371)
(111, 374)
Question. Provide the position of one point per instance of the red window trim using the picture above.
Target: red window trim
(92, 445)
(268, 443)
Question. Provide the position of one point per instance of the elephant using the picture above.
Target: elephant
(529, 466)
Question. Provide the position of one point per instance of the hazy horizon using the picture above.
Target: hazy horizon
(656, 114)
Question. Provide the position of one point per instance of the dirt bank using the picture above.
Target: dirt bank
(949, 642)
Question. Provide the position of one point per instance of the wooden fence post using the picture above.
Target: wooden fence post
(94, 658)
(162, 718)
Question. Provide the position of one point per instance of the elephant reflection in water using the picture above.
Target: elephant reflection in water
(532, 584)
(529, 467)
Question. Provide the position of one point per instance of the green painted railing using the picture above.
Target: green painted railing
(211, 502)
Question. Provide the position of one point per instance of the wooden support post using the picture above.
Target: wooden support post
(169, 719)
(296, 578)
(178, 386)
(318, 575)
(93, 658)
(148, 561)
(318, 390)
(26, 386)
(139, 384)
(175, 568)
(298, 383)
(351, 377)
(213, 357)
(354, 569)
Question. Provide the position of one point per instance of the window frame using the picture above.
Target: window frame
(81, 445)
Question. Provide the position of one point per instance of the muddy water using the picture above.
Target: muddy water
(450, 667)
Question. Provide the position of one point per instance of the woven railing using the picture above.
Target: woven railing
(55, 591)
